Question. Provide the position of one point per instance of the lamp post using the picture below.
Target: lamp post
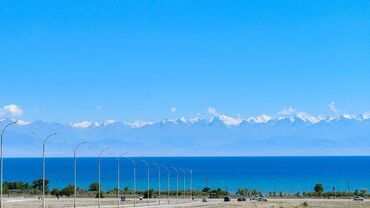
(177, 184)
(168, 183)
(75, 171)
(159, 182)
(134, 176)
(101, 152)
(118, 180)
(183, 171)
(148, 182)
(43, 163)
(2, 162)
(191, 184)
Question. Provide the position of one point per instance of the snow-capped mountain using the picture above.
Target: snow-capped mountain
(289, 132)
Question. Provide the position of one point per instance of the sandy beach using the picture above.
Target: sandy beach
(197, 203)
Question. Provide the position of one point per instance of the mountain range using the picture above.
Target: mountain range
(289, 133)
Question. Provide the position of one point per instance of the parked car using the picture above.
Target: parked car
(241, 199)
(258, 198)
(358, 198)
(226, 199)
(262, 198)
(254, 198)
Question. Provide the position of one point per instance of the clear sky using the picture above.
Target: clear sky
(94, 60)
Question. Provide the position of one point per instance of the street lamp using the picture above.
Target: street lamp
(75, 170)
(118, 181)
(43, 163)
(177, 184)
(168, 183)
(2, 162)
(147, 165)
(183, 171)
(101, 152)
(191, 184)
(134, 168)
(159, 182)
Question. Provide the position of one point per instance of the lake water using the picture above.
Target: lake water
(287, 174)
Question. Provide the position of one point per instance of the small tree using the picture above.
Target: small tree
(319, 188)
(150, 194)
(254, 192)
(68, 191)
(37, 185)
(363, 192)
(205, 189)
(56, 193)
(242, 192)
(94, 186)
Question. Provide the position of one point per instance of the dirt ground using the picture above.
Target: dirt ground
(215, 203)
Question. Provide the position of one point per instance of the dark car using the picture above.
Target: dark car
(241, 199)
(226, 199)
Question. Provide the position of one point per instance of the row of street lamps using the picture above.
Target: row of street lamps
(44, 141)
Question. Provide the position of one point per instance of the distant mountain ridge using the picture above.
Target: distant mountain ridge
(287, 133)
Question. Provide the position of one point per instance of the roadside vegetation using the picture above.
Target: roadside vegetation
(35, 189)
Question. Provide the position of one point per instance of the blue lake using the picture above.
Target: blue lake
(287, 174)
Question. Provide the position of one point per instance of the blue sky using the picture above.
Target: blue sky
(127, 60)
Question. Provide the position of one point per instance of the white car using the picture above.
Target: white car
(258, 198)
(358, 198)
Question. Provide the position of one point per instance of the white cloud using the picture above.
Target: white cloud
(348, 116)
(366, 115)
(23, 122)
(212, 111)
(109, 121)
(11, 110)
(287, 112)
(173, 109)
(334, 108)
(83, 124)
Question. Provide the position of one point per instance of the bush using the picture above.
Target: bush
(101, 194)
(94, 186)
(16, 186)
(37, 185)
(217, 193)
(68, 191)
(56, 192)
(242, 192)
